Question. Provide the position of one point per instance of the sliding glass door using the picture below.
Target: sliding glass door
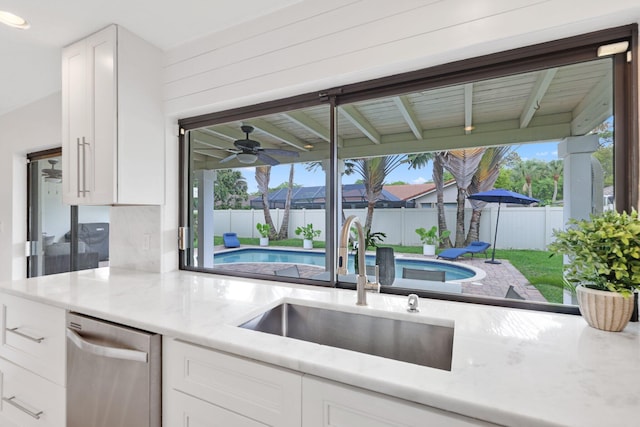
(60, 237)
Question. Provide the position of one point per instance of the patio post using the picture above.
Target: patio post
(206, 180)
(578, 184)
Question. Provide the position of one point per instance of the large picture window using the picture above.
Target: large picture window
(413, 157)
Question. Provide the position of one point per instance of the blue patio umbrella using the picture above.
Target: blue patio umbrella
(499, 196)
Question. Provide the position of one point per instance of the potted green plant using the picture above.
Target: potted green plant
(603, 266)
(308, 234)
(430, 239)
(264, 230)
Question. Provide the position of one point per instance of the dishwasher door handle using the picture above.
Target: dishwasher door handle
(110, 352)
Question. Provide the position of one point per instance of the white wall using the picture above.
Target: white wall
(32, 128)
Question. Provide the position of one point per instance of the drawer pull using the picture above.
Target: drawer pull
(23, 335)
(15, 404)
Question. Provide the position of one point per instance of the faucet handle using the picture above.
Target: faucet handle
(412, 304)
(375, 285)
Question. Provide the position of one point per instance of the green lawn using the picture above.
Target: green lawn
(543, 272)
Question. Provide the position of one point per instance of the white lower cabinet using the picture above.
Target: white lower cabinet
(329, 404)
(183, 410)
(29, 400)
(202, 386)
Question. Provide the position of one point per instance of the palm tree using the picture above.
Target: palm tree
(374, 170)
(484, 180)
(462, 164)
(555, 167)
(263, 174)
(284, 227)
(438, 180)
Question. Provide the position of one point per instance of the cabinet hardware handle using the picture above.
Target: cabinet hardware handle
(110, 352)
(84, 167)
(78, 167)
(12, 402)
(23, 335)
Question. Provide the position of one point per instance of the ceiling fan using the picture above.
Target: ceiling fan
(247, 151)
(52, 174)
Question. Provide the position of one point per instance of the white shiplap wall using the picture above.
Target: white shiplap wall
(315, 45)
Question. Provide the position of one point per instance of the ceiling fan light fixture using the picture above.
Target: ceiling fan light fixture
(14, 21)
(247, 158)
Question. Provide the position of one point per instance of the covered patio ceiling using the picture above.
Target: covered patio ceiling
(531, 107)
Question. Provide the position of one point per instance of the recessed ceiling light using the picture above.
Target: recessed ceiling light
(12, 20)
(469, 128)
(308, 146)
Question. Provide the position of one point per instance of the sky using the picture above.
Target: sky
(542, 151)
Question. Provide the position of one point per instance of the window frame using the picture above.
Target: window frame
(525, 59)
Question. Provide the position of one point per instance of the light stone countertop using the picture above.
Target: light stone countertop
(511, 367)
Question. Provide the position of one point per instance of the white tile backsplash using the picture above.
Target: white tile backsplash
(135, 238)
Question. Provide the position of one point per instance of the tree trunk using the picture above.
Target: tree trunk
(367, 223)
(284, 227)
(263, 174)
(460, 234)
(555, 189)
(438, 172)
(474, 227)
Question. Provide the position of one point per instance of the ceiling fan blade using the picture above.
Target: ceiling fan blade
(265, 158)
(231, 157)
(278, 152)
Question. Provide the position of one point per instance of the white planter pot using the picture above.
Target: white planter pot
(307, 244)
(264, 241)
(428, 250)
(608, 311)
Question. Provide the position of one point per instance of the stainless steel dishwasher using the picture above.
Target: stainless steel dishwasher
(113, 375)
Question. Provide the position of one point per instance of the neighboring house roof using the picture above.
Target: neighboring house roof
(314, 197)
(414, 191)
(409, 191)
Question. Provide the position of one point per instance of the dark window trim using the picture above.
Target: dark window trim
(524, 59)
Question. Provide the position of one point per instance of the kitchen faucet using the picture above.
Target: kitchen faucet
(362, 284)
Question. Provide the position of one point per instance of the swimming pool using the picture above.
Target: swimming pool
(246, 255)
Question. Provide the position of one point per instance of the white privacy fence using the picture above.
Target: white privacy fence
(519, 227)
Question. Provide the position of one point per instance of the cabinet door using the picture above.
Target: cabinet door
(29, 400)
(182, 410)
(329, 404)
(99, 169)
(33, 337)
(75, 119)
(254, 390)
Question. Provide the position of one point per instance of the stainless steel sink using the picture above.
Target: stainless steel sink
(408, 341)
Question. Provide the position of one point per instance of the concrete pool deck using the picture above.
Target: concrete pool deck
(495, 284)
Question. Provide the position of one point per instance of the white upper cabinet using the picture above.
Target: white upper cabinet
(112, 121)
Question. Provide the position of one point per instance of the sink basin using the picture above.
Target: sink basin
(408, 341)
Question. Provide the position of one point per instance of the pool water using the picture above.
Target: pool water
(452, 272)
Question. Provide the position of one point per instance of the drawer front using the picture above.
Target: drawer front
(182, 410)
(32, 336)
(260, 392)
(329, 404)
(28, 400)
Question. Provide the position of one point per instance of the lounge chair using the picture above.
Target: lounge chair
(230, 240)
(288, 272)
(472, 248)
(417, 274)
